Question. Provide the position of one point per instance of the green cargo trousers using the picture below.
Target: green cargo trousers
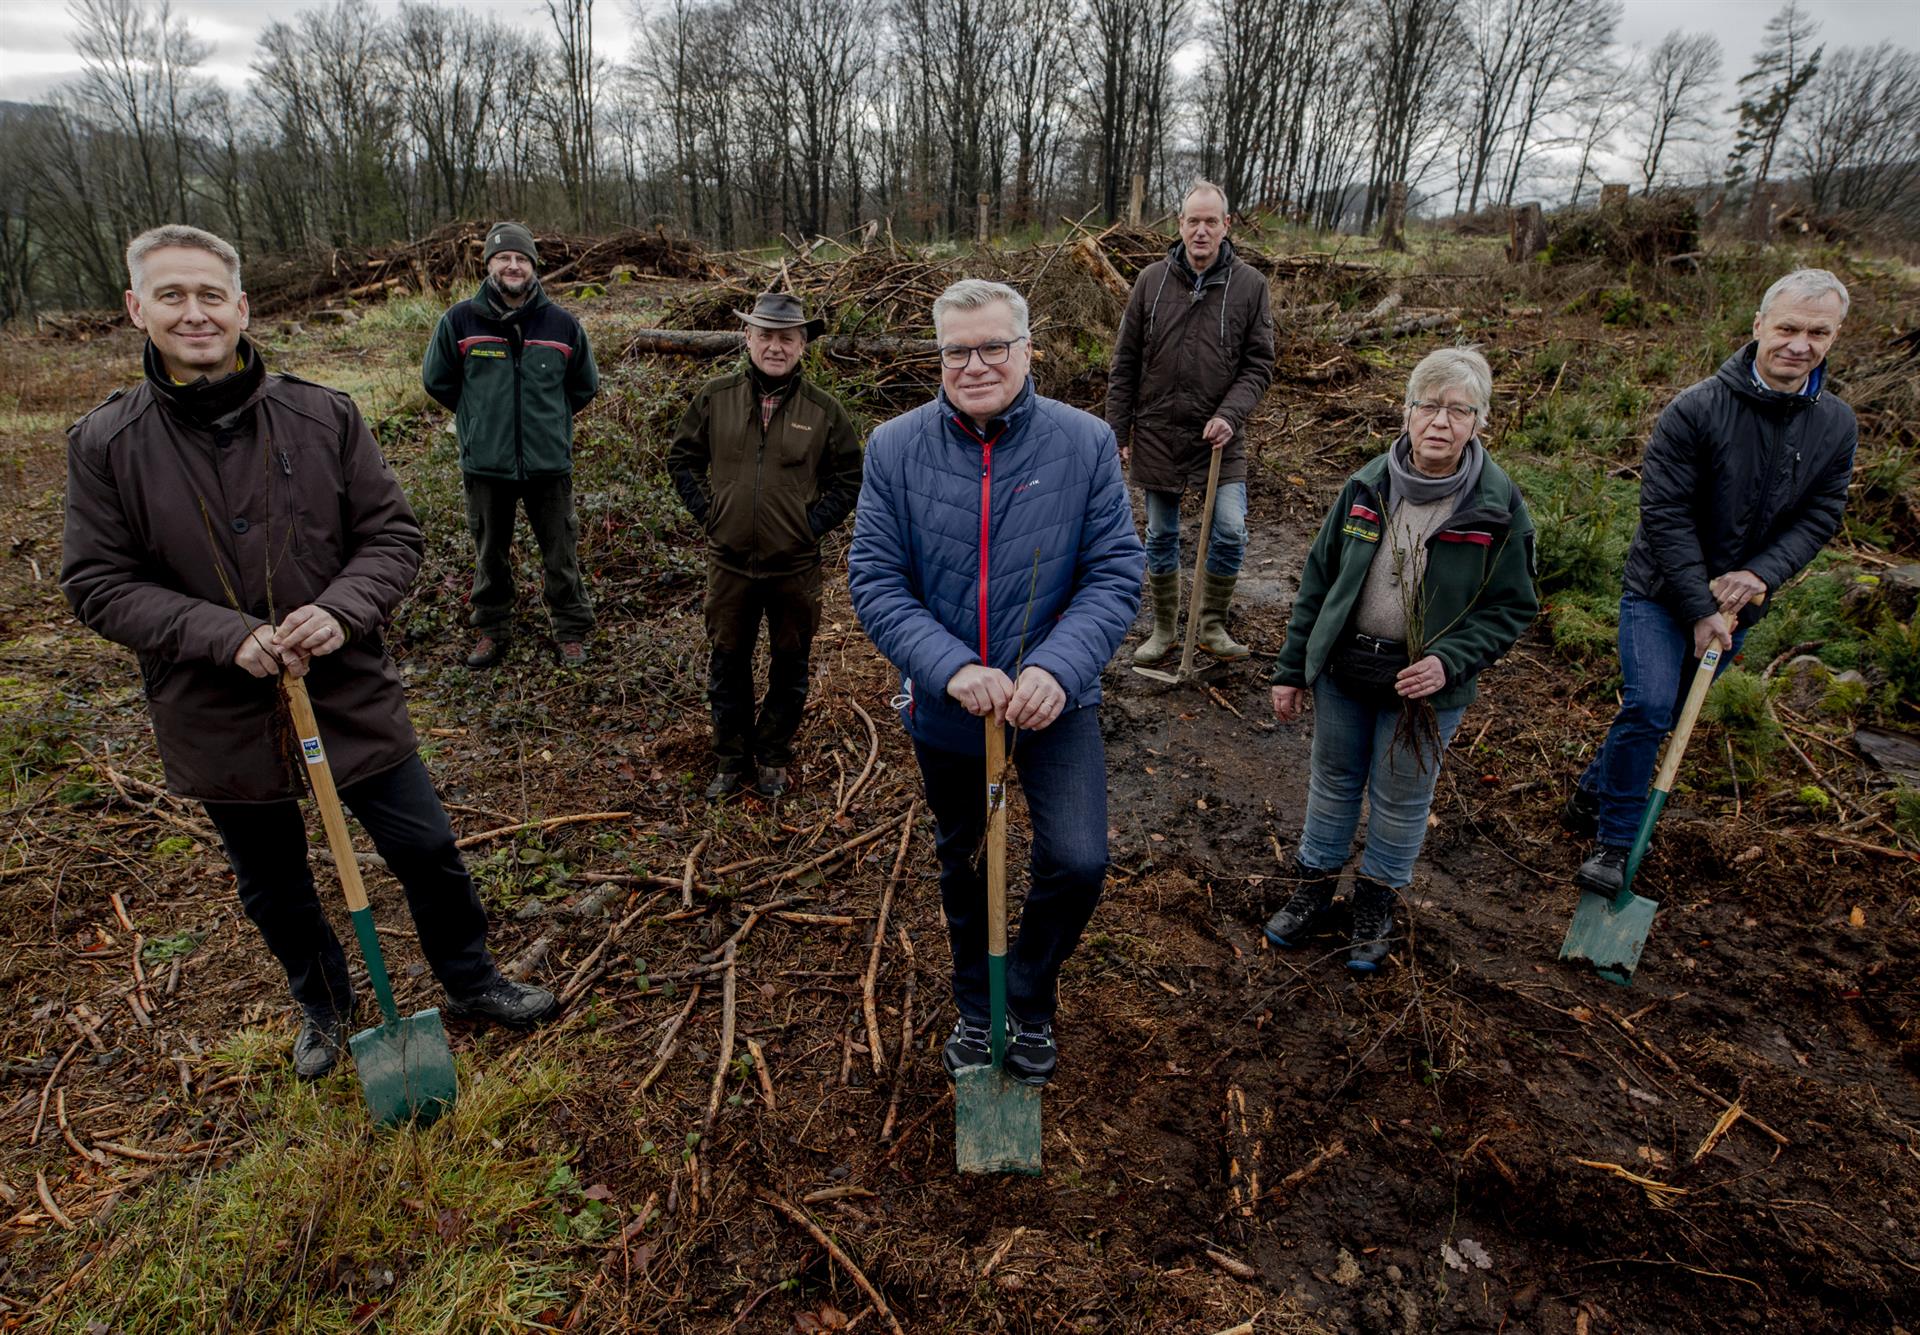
(492, 504)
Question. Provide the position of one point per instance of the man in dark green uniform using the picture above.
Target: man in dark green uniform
(768, 464)
(514, 368)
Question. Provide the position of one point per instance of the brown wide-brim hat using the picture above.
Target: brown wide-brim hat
(781, 310)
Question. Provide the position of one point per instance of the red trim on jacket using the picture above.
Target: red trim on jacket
(467, 343)
(1360, 511)
(1484, 539)
(986, 513)
(566, 350)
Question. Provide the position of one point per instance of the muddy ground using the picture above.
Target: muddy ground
(1480, 1139)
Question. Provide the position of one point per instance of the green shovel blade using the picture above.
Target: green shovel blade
(1609, 934)
(996, 1122)
(406, 1069)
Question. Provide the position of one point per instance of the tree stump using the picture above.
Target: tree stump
(984, 201)
(1137, 200)
(1526, 233)
(1393, 223)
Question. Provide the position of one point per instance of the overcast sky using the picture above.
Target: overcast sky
(34, 51)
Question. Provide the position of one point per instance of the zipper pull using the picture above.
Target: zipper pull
(286, 464)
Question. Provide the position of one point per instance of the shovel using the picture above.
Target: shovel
(996, 1119)
(1193, 593)
(406, 1067)
(1610, 933)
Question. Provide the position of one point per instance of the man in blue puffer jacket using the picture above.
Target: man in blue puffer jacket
(995, 563)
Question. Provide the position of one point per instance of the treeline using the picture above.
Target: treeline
(738, 121)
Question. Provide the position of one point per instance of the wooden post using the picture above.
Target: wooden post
(1613, 197)
(1394, 221)
(980, 230)
(1526, 233)
(1137, 201)
(1760, 212)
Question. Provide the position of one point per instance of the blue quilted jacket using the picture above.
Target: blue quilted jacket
(1036, 510)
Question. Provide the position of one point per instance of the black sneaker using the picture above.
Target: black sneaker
(1604, 873)
(516, 1005)
(727, 783)
(1313, 893)
(970, 1044)
(1372, 924)
(1581, 814)
(771, 782)
(1031, 1055)
(317, 1047)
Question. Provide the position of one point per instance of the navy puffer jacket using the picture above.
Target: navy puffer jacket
(1036, 510)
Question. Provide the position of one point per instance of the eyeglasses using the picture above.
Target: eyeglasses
(955, 356)
(1457, 413)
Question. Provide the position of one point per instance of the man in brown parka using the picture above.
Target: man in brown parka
(1192, 360)
(229, 525)
(769, 464)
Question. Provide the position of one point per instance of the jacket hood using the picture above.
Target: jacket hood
(495, 305)
(1737, 371)
(1216, 272)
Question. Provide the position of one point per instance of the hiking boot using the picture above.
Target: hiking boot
(771, 782)
(318, 1045)
(727, 783)
(1030, 1055)
(573, 653)
(1581, 814)
(1604, 873)
(970, 1044)
(1312, 894)
(516, 1005)
(1215, 596)
(487, 650)
(1372, 924)
(1165, 591)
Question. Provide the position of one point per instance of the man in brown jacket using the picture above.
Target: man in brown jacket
(768, 464)
(1193, 357)
(228, 525)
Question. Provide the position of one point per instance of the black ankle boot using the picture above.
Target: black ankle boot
(1312, 893)
(1372, 924)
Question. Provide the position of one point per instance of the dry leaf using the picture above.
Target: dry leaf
(1857, 918)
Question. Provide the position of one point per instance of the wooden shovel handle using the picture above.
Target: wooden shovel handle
(996, 837)
(1200, 562)
(320, 775)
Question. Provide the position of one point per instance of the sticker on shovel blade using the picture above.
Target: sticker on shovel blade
(310, 746)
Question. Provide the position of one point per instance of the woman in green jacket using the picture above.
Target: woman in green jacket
(1421, 578)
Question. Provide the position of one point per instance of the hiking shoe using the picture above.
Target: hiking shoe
(486, 652)
(970, 1044)
(772, 782)
(1604, 873)
(573, 653)
(1581, 815)
(1030, 1055)
(516, 1005)
(1372, 924)
(318, 1045)
(726, 783)
(1312, 894)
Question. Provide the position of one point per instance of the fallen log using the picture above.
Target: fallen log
(719, 343)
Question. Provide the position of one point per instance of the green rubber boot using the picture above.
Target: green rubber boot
(1216, 594)
(1166, 616)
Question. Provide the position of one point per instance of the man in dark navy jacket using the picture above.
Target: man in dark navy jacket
(1744, 480)
(515, 369)
(995, 563)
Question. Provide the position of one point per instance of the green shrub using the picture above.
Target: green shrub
(1906, 813)
(1583, 523)
(1584, 625)
(1810, 609)
(1895, 650)
(1739, 705)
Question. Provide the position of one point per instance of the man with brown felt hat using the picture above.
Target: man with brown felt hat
(515, 370)
(768, 464)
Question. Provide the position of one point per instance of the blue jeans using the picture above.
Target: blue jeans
(1226, 543)
(1063, 771)
(1657, 661)
(1355, 754)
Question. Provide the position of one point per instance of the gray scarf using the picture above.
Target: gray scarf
(1416, 488)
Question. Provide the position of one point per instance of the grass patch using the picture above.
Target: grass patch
(1739, 705)
(402, 313)
(327, 1225)
(1813, 609)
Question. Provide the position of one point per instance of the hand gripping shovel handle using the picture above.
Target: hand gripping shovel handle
(1200, 563)
(320, 775)
(1670, 762)
(997, 885)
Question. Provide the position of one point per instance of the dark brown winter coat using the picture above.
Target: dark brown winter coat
(1191, 347)
(172, 529)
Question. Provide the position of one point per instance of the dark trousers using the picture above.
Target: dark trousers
(267, 847)
(1063, 771)
(491, 506)
(736, 605)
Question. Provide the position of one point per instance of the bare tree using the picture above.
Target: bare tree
(1679, 82)
(138, 79)
(572, 101)
(1606, 97)
(1855, 136)
(454, 71)
(1411, 53)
